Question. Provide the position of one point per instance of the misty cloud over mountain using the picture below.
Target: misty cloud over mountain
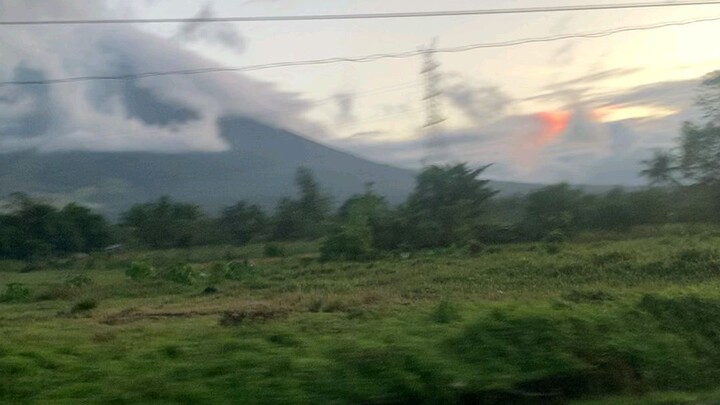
(153, 114)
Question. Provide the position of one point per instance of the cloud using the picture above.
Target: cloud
(223, 34)
(481, 104)
(172, 113)
(563, 55)
(345, 103)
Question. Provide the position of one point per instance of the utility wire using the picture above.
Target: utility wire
(367, 16)
(358, 59)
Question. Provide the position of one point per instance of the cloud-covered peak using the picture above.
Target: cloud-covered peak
(170, 113)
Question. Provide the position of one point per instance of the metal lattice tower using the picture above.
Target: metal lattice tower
(436, 152)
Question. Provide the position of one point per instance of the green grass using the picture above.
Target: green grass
(602, 321)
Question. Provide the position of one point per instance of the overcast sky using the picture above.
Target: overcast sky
(583, 110)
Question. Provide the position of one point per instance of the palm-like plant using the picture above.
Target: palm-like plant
(660, 169)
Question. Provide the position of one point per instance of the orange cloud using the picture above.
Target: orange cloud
(554, 123)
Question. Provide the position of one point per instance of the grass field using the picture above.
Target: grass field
(594, 321)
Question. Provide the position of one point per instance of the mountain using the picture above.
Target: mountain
(259, 167)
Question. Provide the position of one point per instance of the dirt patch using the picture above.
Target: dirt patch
(252, 315)
(132, 315)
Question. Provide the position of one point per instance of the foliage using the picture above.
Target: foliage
(601, 319)
(709, 100)
(180, 273)
(15, 292)
(34, 230)
(139, 271)
(273, 250)
(78, 281)
(700, 148)
(165, 223)
(304, 217)
(446, 206)
(552, 209)
(244, 222)
(446, 312)
(660, 169)
(84, 306)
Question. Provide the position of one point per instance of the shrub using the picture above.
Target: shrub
(445, 312)
(273, 250)
(58, 292)
(236, 270)
(552, 248)
(344, 246)
(139, 271)
(15, 292)
(693, 255)
(84, 306)
(218, 272)
(555, 236)
(180, 273)
(78, 281)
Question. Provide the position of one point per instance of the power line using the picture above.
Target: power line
(367, 16)
(359, 59)
(372, 92)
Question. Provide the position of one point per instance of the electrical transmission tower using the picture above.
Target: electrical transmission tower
(436, 148)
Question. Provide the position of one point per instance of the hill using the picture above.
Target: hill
(259, 167)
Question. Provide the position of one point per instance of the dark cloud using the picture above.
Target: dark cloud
(28, 110)
(224, 34)
(345, 103)
(677, 94)
(482, 104)
(143, 104)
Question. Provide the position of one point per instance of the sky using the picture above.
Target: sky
(579, 110)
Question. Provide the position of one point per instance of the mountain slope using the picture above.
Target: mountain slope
(259, 167)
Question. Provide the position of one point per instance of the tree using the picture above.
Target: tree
(660, 169)
(302, 218)
(244, 221)
(33, 229)
(447, 205)
(700, 148)
(359, 225)
(553, 208)
(313, 203)
(709, 99)
(164, 223)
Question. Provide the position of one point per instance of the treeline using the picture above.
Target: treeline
(450, 206)
(31, 229)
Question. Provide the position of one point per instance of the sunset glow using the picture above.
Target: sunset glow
(554, 123)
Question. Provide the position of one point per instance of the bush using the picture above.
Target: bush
(343, 246)
(78, 281)
(84, 306)
(218, 272)
(445, 312)
(552, 248)
(180, 273)
(273, 250)
(15, 292)
(555, 236)
(236, 270)
(139, 271)
(474, 247)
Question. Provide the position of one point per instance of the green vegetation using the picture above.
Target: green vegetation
(454, 297)
(635, 320)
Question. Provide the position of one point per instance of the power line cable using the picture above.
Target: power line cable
(367, 16)
(359, 59)
(371, 92)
